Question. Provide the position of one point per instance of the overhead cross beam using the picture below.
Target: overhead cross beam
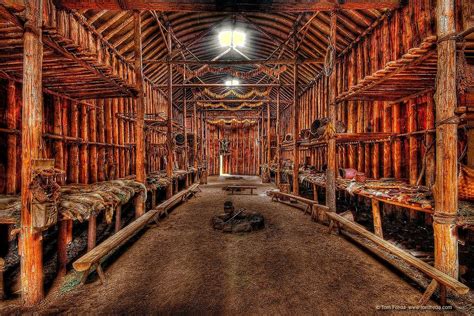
(211, 5)
(237, 62)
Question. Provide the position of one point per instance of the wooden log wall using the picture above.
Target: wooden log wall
(92, 140)
(411, 115)
(243, 157)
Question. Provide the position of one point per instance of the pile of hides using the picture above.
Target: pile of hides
(389, 189)
(179, 174)
(157, 181)
(80, 201)
(10, 208)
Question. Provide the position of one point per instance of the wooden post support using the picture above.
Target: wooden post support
(377, 218)
(331, 154)
(296, 149)
(92, 232)
(2, 283)
(12, 115)
(169, 131)
(63, 241)
(32, 289)
(83, 152)
(195, 144)
(413, 149)
(186, 158)
(140, 109)
(446, 185)
(269, 138)
(278, 137)
(118, 218)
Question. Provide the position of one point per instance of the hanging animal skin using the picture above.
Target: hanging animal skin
(224, 146)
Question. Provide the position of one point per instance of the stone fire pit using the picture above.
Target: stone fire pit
(237, 221)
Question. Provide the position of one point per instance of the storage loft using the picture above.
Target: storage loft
(113, 114)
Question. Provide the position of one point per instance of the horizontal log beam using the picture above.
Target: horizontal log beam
(223, 85)
(208, 5)
(232, 101)
(237, 62)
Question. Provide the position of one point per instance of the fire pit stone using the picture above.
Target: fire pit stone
(237, 221)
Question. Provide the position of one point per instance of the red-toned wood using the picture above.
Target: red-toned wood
(31, 266)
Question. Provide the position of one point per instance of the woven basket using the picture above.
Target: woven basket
(466, 183)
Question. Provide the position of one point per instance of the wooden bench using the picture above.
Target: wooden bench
(438, 278)
(233, 188)
(312, 207)
(97, 255)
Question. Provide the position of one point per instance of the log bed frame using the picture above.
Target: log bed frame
(93, 259)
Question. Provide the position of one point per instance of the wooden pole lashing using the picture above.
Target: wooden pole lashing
(446, 185)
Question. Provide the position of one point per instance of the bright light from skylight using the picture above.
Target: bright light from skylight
(232, 82)
(232, 38)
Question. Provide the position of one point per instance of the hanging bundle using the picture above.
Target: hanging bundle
(329, 60)
(45, 192)
(231, 71)
(252, 93)
(229, 108)
(232, 121)
(465, 77)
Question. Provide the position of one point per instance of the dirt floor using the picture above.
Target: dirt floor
(293, 266)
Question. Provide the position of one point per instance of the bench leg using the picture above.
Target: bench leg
(101, 274)
(84, 276)
(443, 293)
(428, 293)
(2, 288)
(331, 226)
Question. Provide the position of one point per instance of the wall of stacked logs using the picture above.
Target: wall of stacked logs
(411, 119)
(92, 140)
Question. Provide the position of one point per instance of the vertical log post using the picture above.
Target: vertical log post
(12, 114)
(186, 158)
(413, 148)
(63, 231)
(278, 136)
(430, 155)
(296, 149)
(397, 145)
(169, 131)
(92, 232)
(140, 110)
(32, 289)
(446, 186)
(118, 218)
(269, 138)
(93, 147)
(195, 144)
(331, 154)
(377, 218)
(386, 127)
